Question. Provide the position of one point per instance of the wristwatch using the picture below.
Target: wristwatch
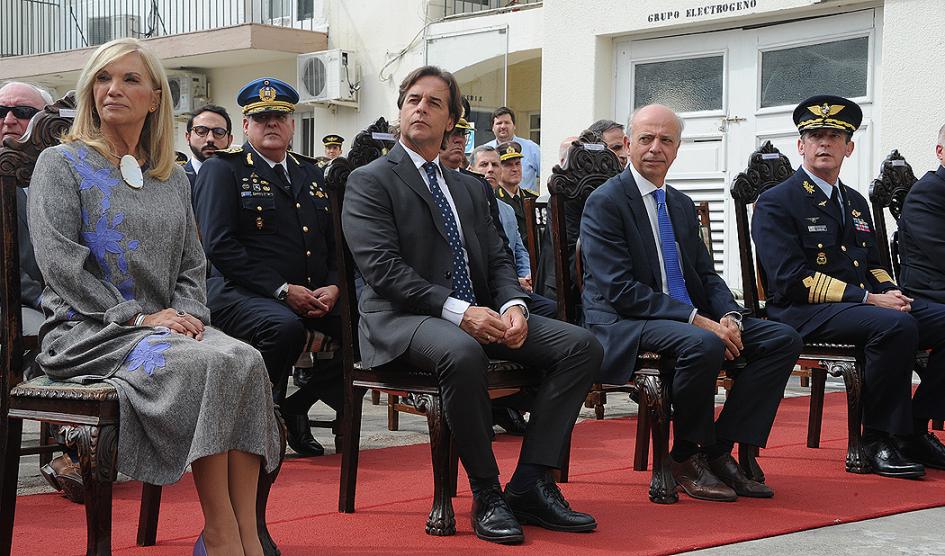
(283, 292)
(736, 318)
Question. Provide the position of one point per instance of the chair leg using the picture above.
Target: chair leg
(747, 455)
(662, 484)
(393, 417)
(336, 431)
(11, 436)
(641, 449)
(815, 420)
(45, 439)
(98, 455)
(350, 445)
(596, 399)
(441, 521)
(263, 487)
(937, 425)
(805, 382)
(375, 397)
(454, 467)
(148, 516)
(853, 379)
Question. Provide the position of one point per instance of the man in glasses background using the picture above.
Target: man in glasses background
(208, 131)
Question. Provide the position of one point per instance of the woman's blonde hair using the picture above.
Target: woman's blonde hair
(157, 140)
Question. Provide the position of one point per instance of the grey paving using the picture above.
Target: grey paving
(913, 533)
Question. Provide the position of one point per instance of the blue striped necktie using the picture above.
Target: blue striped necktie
(462, 287)
(675, 282)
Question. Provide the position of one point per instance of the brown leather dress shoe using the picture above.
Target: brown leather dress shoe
(64, 475)
(725, 468)
(696, 479)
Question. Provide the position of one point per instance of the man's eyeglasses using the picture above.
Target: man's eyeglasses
(264, 117)
(218, 132)
(21, 112)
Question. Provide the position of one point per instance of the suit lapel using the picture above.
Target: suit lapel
(642, 221)
(817, 198)
(408, 173)
(296, 175)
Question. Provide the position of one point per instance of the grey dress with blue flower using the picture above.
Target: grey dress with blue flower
(109, 252)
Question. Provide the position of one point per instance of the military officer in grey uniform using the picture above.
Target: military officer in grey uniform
(263, 216)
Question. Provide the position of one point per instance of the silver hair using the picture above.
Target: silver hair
(41, 91)
(474, 155)
(680, 123)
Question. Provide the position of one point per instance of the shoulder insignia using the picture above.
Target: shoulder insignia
(230, 151)
(297, 158)
(808, 187)
(530, 193)
(180, 158)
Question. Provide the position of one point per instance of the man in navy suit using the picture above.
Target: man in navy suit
(650, 285)
(208, 131)
(922, 233)
(817, 246)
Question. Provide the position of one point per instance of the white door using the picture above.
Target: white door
(736, 89)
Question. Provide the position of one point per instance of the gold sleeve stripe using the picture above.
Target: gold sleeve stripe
(824, 289)
(881, 275)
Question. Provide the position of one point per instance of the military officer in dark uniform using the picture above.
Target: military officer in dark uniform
(332, 145)
(510, 179)
(817, 245)
(263, 216)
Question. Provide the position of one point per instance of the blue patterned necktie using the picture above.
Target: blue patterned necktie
(674, 278)
(462, 287)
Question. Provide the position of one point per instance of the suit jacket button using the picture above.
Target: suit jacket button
(298, 205)
(843, 248)
(856, 263)
(448, 275)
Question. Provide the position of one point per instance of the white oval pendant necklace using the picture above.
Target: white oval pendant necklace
(131, 172)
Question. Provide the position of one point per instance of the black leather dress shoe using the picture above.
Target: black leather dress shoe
(697, 480)
(509, 419)
(544, 505)
(299, 436)
(926, 449)
(725, 468)
(886, 460)
(492, 520)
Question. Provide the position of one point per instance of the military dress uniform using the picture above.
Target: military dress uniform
(510, 151)
(261, 232)
(820, 257)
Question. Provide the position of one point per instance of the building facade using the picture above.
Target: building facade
(734, 70)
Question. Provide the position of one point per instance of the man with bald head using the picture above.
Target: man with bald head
(650, 285)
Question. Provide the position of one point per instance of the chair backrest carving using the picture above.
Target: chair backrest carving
(589, 164)
(17, 160)
(767, 167)
(888, 191)
(369, 145)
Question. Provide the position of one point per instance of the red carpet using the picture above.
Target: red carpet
(812, 490)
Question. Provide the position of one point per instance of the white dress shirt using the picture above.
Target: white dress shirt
(647, 188)
(454, 308)
(196, 164)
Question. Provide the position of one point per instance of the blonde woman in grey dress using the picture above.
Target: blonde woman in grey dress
(126, 293)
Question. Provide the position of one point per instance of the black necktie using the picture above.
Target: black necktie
(280, 170)
(837, 198)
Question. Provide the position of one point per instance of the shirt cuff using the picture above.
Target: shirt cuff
(512, 303)
(454, 309)
(866, 296)
(692, 315)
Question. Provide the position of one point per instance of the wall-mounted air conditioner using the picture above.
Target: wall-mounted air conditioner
(110, 27)
(188, 91)
(330, 77)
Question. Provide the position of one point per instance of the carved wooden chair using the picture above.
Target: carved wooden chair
(888, 191)
(418, 391)
(767, 167)
(535, 222)
(89, 412)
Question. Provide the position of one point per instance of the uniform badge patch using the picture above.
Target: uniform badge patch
(813, 219)
(821, 258)
(861, 225)
(855, 213)
(820, 228)
(822, 204)
(808, 187)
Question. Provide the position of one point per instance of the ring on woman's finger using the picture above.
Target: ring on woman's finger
(180, 313)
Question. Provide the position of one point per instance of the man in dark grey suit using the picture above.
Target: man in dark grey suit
(650, 285)
(441, 296)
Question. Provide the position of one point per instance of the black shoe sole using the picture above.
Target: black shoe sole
(529, 519)
(706, 498)
(901, 474)
(502, 539)
(755, 494)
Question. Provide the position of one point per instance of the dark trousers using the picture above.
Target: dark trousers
(567, 356)
(770, 351)
(542, 306)
(889, 340)
(278, 333)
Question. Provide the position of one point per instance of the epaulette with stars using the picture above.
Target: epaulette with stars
(232, 151)
(299, 157)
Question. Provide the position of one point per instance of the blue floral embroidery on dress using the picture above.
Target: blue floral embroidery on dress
(104, 238)
(148, 354)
